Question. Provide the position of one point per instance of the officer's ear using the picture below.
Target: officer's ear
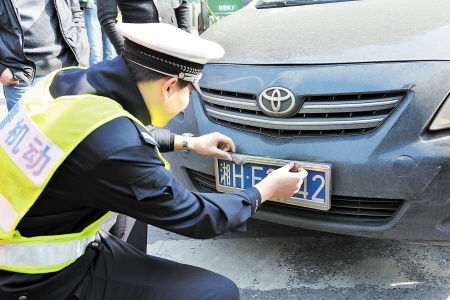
(169, 86)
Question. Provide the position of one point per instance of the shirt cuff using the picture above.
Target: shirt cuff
(254, 197)
(164, 137)
(172, 142)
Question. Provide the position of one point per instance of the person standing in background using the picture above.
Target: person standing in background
(175, 12)
(38, 37)
(99, 44)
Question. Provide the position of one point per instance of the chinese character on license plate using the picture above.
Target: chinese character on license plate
(246, 171)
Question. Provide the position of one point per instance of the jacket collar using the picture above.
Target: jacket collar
(109, 78)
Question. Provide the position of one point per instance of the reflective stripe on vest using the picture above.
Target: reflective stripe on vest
(35, 138)
(44, 254)
(51, 256)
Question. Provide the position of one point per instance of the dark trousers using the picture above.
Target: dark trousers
(111, 269)
(123, 272)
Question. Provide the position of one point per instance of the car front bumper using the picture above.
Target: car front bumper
(400, 163)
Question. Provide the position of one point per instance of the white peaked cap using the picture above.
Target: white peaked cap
(170, 40)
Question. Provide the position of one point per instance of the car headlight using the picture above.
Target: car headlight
(442, 118)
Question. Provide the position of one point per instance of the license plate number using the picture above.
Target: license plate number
(246, 171)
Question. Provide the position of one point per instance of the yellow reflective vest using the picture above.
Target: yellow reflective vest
(36, 136)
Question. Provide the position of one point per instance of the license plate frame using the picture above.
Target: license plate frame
(242, 159)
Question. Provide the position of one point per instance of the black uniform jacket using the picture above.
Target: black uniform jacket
(116, 169)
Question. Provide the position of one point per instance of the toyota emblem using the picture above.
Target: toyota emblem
(278, 102)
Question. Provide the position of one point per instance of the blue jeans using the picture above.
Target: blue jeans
(14, 92)
(108, 49)
(99, 44)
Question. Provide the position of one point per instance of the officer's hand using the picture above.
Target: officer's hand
(212, 144)
(281, 183)
(7, 78)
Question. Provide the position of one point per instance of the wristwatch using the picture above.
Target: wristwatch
(185, 142)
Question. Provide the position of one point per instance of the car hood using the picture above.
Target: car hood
(345, 32)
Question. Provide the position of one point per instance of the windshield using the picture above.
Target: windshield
(283, 3)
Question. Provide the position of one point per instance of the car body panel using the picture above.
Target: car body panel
(342, 32)
(388, 182)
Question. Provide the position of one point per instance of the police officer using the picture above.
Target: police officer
(75, 149)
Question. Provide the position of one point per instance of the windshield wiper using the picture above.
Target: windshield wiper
(284, 3)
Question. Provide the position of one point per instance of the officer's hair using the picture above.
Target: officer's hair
(141, 74)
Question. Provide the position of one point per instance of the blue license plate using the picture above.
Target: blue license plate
(246, 171)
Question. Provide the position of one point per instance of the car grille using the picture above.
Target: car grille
(353, 210)
(335, 115)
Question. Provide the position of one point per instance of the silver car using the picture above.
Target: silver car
(356, 92)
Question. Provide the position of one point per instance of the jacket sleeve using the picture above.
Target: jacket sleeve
(182, 14)
(134, 182)
(107, 15)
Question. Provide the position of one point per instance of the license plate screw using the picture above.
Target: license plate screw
(238, 160)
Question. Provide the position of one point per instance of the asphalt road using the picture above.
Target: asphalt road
(278, 262)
